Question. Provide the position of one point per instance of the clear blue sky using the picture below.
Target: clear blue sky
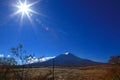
(87, 28)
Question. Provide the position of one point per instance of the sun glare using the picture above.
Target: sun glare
(25, 9)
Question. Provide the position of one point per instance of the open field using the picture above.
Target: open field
(64, 73)
(74, 73)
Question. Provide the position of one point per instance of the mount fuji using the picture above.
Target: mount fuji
(66, 59)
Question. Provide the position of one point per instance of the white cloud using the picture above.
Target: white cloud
(1, 55)
(40, 60)
(46, 58)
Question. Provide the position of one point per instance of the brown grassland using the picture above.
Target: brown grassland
(99, 72)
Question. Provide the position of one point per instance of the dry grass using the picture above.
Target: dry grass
(64, 73)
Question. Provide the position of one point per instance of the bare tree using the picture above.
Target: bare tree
(113, 73)
(21, 54)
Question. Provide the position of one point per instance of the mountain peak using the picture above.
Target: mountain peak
(67, 54)
(66, 59)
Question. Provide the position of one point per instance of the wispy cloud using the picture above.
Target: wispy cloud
(33, 60)
(46, 58)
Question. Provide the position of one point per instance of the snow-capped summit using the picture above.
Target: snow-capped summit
(66, 53)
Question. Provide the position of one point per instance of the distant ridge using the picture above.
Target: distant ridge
(66, 59)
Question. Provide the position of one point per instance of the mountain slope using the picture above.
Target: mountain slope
(67, 59)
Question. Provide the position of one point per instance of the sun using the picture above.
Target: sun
(24, 8)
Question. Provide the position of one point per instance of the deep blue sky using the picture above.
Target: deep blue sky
(87, 28)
